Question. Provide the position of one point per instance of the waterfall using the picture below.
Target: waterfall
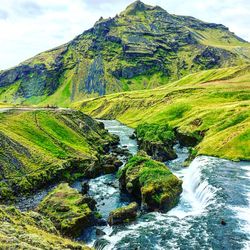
(197, 194)
(202, 193)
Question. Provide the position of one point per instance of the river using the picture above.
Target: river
(213, 211)
(214, 190)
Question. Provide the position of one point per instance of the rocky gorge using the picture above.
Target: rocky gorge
(71, 211)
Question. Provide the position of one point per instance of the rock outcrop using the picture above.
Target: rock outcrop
(157, 141)
(123, 214)
(151, 182)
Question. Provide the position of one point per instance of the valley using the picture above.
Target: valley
(133, 135)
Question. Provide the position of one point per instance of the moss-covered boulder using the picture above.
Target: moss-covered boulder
(157, 141)
(68, 209)
(31, 230)
(107, 164)
(123, 214)
(151, 182)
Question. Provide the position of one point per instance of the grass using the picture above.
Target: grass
(31, 230)
(39, 146)
(213, 102)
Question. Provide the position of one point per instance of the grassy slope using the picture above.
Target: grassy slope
(37, 146)
(222, 39)
(31, 230)
(214, 101)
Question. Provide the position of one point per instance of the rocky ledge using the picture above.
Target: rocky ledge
(151, 182)
(70, 211)
(157, 141)
(123, 214)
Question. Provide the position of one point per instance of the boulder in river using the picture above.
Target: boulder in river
(106, 164)
(123, 214)
(85, 187)
(151, 182)
(157, 141)
(68, 210)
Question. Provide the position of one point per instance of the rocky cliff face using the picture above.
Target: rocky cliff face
(142, 47)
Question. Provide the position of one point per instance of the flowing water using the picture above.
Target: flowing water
(215, 192)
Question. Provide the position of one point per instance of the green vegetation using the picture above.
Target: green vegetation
(150, 181)
(155, 132)
(213, 105)
(31, 230)
(157, 141)
(66, 207)
(37, 147)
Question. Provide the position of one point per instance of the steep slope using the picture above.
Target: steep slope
(214, 104)
(41, 146)
(141, 48)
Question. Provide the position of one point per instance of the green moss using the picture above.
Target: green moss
(151, 181)
(124, 214)
(155, 132)
(67, 209)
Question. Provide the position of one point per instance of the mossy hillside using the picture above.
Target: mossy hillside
(221, 39)
(66, 207)
(31, 230)
(38, 147)
(151, 182)
(214, 104)
(143, 47)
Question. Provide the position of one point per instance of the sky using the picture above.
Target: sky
(28, 27)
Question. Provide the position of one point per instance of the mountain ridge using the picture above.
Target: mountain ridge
(141, 48)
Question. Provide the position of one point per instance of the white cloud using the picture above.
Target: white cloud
(28, 27)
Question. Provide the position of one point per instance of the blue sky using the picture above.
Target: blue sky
(28, 27)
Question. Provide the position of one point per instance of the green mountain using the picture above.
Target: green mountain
(141, 48)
